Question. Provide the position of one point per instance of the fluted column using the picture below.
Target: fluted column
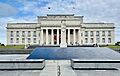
(79, 35)
(68, 36)
(57, 36)
(63, 34)
(52, 37)
(41, 35)
(74, 36)
(46, 36)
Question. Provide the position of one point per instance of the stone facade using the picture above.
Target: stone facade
(60, 30)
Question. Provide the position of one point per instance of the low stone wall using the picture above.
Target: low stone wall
(15, 51)
(22, 64)
(95, 64)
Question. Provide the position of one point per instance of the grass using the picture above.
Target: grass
(112, 46)
(12, 47)
(22, 47)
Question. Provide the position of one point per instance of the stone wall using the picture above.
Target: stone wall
(15, 51)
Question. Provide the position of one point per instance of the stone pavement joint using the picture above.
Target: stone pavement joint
(57, 68)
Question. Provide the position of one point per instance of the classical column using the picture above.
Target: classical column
(52, 37)
(63, 35)
(41, 35)
(79, 35)
(57, 36)
(68, 36)
(74, 36)
(46, 36)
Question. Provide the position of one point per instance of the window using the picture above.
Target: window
(109, 40)
(81, 34)
(11, 40)
(17, 40)
(91, 33)
(97, 33)
(109, 33)
(86, 33)
(103, 40)
(34, 33)
(23, 40)
(29, 40)
(23, 33)
(91, 40)
(11, 33)
(29, 33)
(98, 40)
(34, 40)
(86, 40)
(103, 33)
(17, 33)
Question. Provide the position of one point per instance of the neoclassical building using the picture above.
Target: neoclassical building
(61, 29)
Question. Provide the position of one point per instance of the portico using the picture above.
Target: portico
(53, 36)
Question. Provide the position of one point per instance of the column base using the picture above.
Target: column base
(63, 45)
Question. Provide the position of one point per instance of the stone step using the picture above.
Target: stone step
(57, 68)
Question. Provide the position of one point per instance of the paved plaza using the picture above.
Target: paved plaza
(55, 68)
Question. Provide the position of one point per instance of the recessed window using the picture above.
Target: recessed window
(91, 40)
(97, 33)
(98, 40)
(29, 40)
(34, 33)
(91, 33)
(23, 40)
(29, 33)
(17, 40)
(11, 40)
(109, 33)
(17, 33)
(103, 33)
(103, 40)
(23, 33)
(86, 40)
(109, 40)
(86, 33)
(11, 33)
(34, 40)
(81, 34)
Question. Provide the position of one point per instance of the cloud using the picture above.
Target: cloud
(90, 8)
(7, 10)
(93, 10)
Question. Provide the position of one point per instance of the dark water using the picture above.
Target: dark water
(57, 53)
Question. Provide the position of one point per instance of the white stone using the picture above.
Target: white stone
(63, 23)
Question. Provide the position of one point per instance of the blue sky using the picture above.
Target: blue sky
(28, 10)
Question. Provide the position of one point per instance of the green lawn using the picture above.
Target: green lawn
(22, 47)
(12, 47)
(113, 46)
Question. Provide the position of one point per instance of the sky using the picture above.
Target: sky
(28, 10)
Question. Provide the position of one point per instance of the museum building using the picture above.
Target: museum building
(60, 30)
